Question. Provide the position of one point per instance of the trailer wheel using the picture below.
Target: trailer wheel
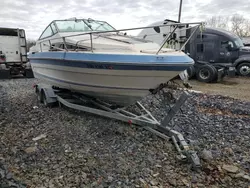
(39, 95)
(243, 69)
(191, 72)
(206, 73)
(45, 101)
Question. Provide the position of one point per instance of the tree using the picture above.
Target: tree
(30, 43)
(218, 22)
(236, 24)
(240, 25)
(247, 28)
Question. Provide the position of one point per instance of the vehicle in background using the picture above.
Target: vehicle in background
(246, 41)
(13, 54)
(216, 52)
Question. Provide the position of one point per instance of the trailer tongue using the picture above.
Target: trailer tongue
(13, 54)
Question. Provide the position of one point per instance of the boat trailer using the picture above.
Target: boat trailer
(50, 95)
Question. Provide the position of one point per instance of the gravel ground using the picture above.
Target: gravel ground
(59, 147)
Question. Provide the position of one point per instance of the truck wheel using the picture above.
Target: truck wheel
(191, 72)
(243, 69)
(215, 74)
(206, 73)
(28, 73)
(5, 74)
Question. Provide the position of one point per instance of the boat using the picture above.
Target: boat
(93, 58)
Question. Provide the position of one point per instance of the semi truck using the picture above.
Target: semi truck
(13, 54)
(216, 52)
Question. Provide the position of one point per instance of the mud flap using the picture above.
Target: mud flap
(28, 73)
(184, 76)
(231, 72)
(5, 74)
(221, 73)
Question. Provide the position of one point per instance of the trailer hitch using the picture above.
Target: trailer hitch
(177, 138)
(186, 154)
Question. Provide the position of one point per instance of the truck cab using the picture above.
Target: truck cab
(216, 52)
(13, 53)
(220, 48)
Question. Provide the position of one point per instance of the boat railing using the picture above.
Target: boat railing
(91, 34)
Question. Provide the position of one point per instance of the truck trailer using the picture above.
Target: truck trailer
(216, 52)
(13, 54)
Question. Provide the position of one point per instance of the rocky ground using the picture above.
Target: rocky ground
(59, 147)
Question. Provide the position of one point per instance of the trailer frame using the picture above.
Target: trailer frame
(50, 95)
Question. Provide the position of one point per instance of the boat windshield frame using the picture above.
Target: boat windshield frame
(89, 25)
(198, 25)
(83, 24)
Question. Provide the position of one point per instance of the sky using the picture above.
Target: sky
(35, 15)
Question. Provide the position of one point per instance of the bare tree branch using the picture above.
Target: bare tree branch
(218, 22)
(30, 43)
(237, 24)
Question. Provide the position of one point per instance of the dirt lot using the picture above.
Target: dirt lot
(238, 88)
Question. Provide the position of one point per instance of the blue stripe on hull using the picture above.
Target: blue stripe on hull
(113, 61)
(90, 65)
(120, 58)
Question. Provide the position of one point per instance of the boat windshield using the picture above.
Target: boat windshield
(82, 25)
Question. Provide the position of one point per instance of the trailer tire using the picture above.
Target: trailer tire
(45, 102)
(206, 73)
(191, 72)
(39, 95)
(243, 69)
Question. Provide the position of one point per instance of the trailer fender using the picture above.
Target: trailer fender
(47, 92)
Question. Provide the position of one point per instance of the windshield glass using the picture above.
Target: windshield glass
(238, 42)
(99, 26)
(82, 26)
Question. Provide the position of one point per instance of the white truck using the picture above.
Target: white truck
(13, 53)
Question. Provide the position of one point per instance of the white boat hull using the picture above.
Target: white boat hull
(122, 87)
